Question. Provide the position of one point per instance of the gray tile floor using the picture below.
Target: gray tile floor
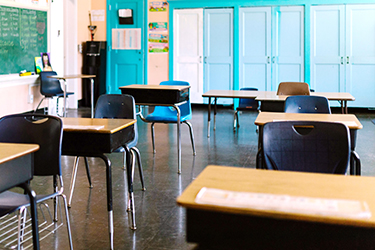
(161, 223)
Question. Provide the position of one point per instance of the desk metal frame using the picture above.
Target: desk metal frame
(65, 77)
(94, 143)
(342, 98)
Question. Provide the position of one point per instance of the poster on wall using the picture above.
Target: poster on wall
(158, 6)
(159, 48)
(157, 38)
(158, 43)
(158, 26)
(126, 38)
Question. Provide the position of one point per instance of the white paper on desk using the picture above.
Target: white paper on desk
(284, 203)
(83, 127)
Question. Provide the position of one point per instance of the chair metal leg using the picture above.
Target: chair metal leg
(21, 226)
(67, 216)
(132, 167)
(55, 200)
(73, 180)
(39, 104)
(34, 217)
(140, 169)
(130, 189)
(191, 136)
(88, 172)
(355, 158)
(153, 137)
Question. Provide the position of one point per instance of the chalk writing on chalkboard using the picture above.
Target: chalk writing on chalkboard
(23, 35)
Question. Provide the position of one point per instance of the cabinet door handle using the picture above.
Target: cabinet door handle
(205, 59)
(347, 60)
(200, 59)
(273, 59)
(268, 59)
(342, 60)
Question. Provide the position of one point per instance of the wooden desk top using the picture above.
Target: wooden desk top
(232, 93)
(10, 151)
(349, 120)
(95, 125)
(328, 186)
(332, 96)
(155, 87)
(64, 77)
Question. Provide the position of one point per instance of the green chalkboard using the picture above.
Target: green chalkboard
(23, 36)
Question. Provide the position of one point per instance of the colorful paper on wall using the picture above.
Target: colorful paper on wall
(157, 38)
(158, 26)
(158, 6)
(158, 48)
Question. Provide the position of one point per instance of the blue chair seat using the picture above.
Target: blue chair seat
(164, 114)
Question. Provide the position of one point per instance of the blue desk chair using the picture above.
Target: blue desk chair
(307, 104)
(50, 87)
(321, 147)
(245, 104)
(46, 131)
(163, 114)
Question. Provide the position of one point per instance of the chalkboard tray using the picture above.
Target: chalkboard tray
(23, 36)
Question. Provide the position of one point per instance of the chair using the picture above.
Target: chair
(163, 114)
(293, 88)
(307, 104)
(307, 146)
(245, 104)
(46, 131)
(50, 87)
(115, 106)
(10, 179)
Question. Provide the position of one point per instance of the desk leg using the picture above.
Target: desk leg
(178, 137)
(209, 117)
(33, 210)
(129, 178)
(92, 97)
(215, 111)
(346, 107)
(109, 198)
(65, 89)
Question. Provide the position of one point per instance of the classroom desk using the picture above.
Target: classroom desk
(349, 120)
(160, 95)
(220, 227)
(90, 137)
(267, 96)
(17, 158)
(342, 98)
(65, 77)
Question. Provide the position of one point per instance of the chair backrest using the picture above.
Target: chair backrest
(307, 146)
(119, 106)
(184, 108)
(307, 104)
(44, 130)
(246, 103)
(49, 86)
(293, 88)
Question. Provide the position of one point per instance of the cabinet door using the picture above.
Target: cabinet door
(288, 45)
(188, 50)
(327, 48)
(218, 49)
(360, 54)
(255, 47)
